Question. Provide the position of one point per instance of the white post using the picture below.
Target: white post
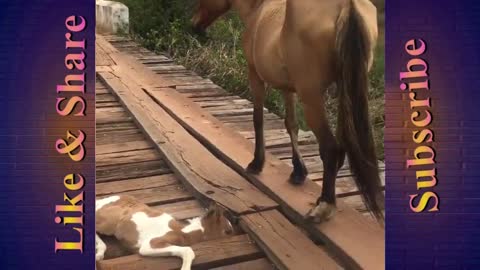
(112, 17)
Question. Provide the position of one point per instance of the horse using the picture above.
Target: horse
(151, 232)
(301, 48)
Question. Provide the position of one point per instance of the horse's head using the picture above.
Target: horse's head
(215, 223)
(207, 12)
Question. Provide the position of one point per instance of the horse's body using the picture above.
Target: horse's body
(301, 48)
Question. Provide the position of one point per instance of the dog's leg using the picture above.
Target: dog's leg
(100, 248)
(156, 248)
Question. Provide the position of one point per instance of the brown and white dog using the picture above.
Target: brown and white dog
(151, 232)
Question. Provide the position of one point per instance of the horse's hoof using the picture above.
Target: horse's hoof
(322, 212)
(297, 179)
(254, 167)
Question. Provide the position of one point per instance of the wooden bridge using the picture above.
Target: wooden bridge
(175, 140)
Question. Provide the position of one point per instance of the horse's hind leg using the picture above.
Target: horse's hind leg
(257, 87)
(299, 170)
(330, 153)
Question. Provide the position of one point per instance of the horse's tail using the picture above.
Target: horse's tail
(353, 46)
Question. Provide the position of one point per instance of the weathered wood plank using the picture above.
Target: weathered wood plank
(112, 117)
(101, 57)
(111, 188)
(127, 171)
(258, 264)
(119, 136)
(248, 126)
(107, 104)
(201, 99)
(247, 118)
(183, 152)
(102, 68)
(183, 210)
(122, 146)
(106, 128)
(209, 254)
(99, 98)
(104, 45)
(101, 91)
(127, 157)
(109, 110)
(285, 152)
(161, 195)
(284, 243)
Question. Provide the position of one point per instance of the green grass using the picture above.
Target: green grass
(164, 26)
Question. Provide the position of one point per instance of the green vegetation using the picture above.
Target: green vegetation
(164, 26)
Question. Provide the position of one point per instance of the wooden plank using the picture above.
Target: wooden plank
(123, 146)
(161, 195)
(109, 110)
(101, 91)
(127, 157)
(284, 243)
(109, 188)
(183, 210)
(106, 128)
(208, 254)
(183, 152)
(285, 152)
(102, 68)
(201, 99)
(104, 97)
(104, 45)
(102, 58)
(127, 171)
(248, 126)
(359, 242)
(112, 117)
(107, 104)
(247, 118)
(119, 136)
(258, 264)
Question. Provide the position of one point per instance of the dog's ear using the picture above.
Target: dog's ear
(219, 211)
(212, 208)
(215, 210)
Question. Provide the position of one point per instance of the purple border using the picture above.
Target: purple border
(32, 53)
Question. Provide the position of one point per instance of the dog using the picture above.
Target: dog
(151, 232)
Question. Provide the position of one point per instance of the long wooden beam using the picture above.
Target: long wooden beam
(293, 251)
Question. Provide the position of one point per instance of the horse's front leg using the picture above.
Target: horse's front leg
(257, 87)
(291, 124)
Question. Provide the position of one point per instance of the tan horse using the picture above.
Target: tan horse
(302, 47)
